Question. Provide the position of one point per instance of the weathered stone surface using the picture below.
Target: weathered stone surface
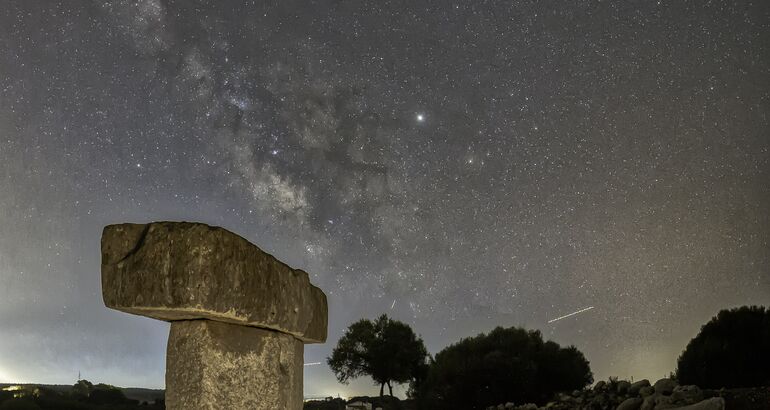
(623, 387)
(635, 387)
(646, 391)
(633, 403)
(182, 271)
(714, 403)
(648, 403)
(663, 402)
(665, 386)
(215, 365)
(687, 394)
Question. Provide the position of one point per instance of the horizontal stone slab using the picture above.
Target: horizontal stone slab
(182, 271)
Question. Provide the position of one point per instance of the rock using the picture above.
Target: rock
(528, 406)
(635, 387)
(623, 387)
(633, 403)
(239, 316)
(714, 403)
(508, 405)
(646, 391)
(182, 271)
(648, 403)
(665, 386)
(687, 394)
(575, 393)
(599, 400)
(600, 385)
(214, 365)
(663, 402)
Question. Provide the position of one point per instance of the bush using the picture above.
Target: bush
(5, 395)
(108, 395)
(506, 365)
(19, 404)
(731, 350)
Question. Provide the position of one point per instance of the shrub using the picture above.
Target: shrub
(731, 350)
(19, 404)
(506, 365)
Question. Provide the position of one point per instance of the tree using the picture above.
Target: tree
(731, 350)
(386, 349)
(505, 365)
(82, 388)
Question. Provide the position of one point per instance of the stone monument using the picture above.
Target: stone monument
(239, 317)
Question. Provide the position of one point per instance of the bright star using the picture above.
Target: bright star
(420, 118)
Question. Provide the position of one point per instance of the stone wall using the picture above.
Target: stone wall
(623, 395)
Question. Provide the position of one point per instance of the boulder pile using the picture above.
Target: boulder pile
(623, 395)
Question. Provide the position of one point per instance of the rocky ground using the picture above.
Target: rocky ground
(610, 395)
(664, 394)
(757, 398)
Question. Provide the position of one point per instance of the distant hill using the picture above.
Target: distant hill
(134, 393)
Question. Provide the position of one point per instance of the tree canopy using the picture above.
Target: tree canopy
(731, 350)
(505, 365)
(386, 350)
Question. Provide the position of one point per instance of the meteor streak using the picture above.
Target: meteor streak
(571, 314)
(312, 364)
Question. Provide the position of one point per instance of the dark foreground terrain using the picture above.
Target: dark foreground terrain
(82, 396)
(757, 398)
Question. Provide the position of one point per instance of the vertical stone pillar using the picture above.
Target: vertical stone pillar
(239, 317)
(215, 365)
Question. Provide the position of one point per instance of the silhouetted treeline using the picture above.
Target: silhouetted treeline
(731, 350)
(506, 365)
(83, 396)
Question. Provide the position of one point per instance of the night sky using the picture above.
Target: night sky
(456, 165)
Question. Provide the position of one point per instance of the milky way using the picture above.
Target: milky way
(456, 165)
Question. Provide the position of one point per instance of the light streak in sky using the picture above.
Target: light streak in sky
(312, 364)
(394, 304)
(571, 314)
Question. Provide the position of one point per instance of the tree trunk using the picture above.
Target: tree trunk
(390, 388)
(382, 386)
